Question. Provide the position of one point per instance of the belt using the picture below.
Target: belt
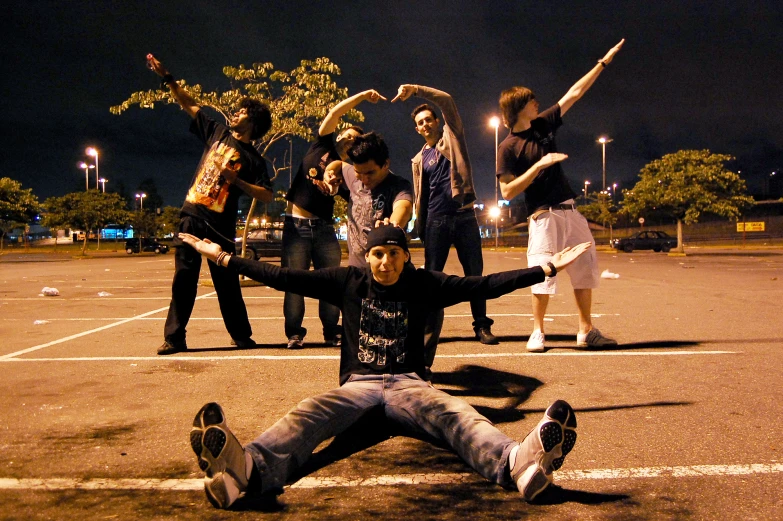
(310, 221)
(549, 208)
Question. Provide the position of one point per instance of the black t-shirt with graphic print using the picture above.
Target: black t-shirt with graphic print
(303, 192)
(210, 197)
(384, 325)
(521, 150)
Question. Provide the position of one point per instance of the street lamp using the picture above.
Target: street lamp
(86, 174)
(585, 190)
(494, 212)
(604, 140)
(94, 153)
(103, 183)
(141, 197)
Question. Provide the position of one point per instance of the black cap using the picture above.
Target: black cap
(388, 235)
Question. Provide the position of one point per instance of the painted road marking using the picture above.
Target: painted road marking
(278, 317)
(89, 332)
(10, 358)
(563, 476)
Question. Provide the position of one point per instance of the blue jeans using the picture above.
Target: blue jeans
(441, 232)
(407, 401)
(306, 241)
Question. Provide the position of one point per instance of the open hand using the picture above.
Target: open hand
(404, 92)
(614, 50)
(205, 247)
(563, 258)
(552, 158)
(155, 66)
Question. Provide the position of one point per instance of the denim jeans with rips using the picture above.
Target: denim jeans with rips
(407, 401)
(307, 241)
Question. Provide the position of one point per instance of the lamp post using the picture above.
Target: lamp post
(494, 212)
(603, 140)
(141, 197)
(103, 183)
(86, 174)
(94, 153)
(587, 183)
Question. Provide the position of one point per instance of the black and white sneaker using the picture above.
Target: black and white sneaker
(220, 455)
(543, 450)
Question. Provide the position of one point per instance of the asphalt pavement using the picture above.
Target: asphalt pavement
(681, 421)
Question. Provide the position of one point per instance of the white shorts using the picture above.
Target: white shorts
(550, 233)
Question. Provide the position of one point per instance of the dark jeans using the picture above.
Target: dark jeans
(306, 241)
(187, 266)
(441, 232)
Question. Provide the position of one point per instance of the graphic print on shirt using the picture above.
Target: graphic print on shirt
(383, 329)
(365, 210)
(210, 189)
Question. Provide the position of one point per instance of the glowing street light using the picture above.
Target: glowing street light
(587, 183)
(94, 153)
(141, 197)
(86, 174)
(494, 212)
(103, 183)
(604, 140)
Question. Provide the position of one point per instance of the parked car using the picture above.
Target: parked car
(647, 240)
(147, 244)
(262, 243)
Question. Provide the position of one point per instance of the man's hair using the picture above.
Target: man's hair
(512, 101)
(259, 115)
(369, 147)
(422, 108)
(358, 129)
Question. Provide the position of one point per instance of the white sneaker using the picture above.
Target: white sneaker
(535, 344)
(594, 338)
(544, 449)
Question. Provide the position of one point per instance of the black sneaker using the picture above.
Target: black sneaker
(171, 347)
(335, 341)
(544, 449)
(220, 455)
(295, 342)
(485, 336)
(245, 343)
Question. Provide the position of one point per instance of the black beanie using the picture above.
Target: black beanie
(387, 235)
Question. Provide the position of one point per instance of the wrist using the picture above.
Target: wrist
(552, 269)
(602, 63)
(167, 79)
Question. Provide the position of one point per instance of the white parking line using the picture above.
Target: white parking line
(561, 477)
(85, 333)
(196, 358)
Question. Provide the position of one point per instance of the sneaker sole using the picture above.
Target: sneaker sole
(221, 490)
(535, 349)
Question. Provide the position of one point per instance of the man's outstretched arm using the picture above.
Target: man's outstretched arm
(442, 99)
(583, 85)
(330, 122)
(187, 103)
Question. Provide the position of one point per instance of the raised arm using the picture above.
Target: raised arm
(442, 99)
(320, 284)
(454, 289)
(583, 85)
(187, 103)
(332, 119)
(401, 214)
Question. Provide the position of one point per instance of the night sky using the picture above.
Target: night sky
(692, 74)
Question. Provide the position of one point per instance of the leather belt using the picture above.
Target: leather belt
(310, 221)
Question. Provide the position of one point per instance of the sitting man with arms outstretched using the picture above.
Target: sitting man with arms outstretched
(385, 305)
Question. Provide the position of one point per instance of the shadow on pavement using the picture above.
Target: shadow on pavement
(555, 495)
(663, 344)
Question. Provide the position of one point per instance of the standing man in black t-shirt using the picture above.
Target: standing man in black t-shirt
(229, 166)
(443, 184)
(529, 163)
(308, 231)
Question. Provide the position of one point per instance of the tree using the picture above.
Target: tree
(299, 100)
(685, 185)
(167, 222)
(17, 206)
(87, 210)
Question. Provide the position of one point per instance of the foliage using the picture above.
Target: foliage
(687, 184)
(298, 100)
(167, 222)
(600, 209)
(87, 210)
(340, 211)
(17, 206)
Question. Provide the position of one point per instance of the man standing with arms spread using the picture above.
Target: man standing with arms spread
(308, 232)
(528, 162)
(229, 166)
(443, 185)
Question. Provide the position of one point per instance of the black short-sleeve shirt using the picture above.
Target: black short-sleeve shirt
(521, 150)
(303, 192)
(210, 197)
